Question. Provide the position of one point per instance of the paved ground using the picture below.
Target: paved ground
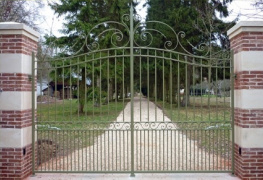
(181, 176)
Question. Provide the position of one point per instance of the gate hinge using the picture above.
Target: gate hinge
(235, 76)
(29, 77)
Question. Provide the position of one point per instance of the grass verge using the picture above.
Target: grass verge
(61, 129)
(206, 121)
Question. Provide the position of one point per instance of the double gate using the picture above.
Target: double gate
(134, 108)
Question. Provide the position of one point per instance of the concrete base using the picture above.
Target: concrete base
(182, 176)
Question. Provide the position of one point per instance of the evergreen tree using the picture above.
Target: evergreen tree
(80, 17)
(198, 20)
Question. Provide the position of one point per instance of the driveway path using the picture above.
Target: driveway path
(158, 146)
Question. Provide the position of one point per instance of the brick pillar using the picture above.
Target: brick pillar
(17, 42)
(246, 39)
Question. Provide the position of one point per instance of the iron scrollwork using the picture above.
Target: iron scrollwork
(119, 34)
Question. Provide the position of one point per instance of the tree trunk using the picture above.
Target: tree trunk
(126, 91)
(160, 87)
(121, 91)
(186, 98)
(174, 90)
(117, 92)
(97, 96)
(82, 92)
(166, 90)
(111, 90)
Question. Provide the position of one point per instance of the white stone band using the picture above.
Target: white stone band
(16, 100)
(15, 138)
(15, 63)
(248, 98)
(248, 61)
(249, 137)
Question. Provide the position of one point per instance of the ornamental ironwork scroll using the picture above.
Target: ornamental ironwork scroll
(113, 34)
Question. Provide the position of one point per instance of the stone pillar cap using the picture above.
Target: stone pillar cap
(14, 27)
(245, 26)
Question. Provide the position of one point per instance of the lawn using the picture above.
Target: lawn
(61, 129)
(207, 120)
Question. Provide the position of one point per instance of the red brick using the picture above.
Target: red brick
(246, 167)
(18, 42)
(255, 33)
(18, 167)
(8, 36)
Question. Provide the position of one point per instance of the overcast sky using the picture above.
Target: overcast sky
(243, 8)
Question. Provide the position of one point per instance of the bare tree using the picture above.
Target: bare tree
(259, 4)
(21, 11)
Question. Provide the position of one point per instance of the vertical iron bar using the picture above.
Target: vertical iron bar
(120, 150)
(193, 94)
(93, 149)
(175, 153)
(163, 86)
(97, 134)
(171, 149)
(137, 151)
(224, 74)
(149, 141)
(63, 97)
(116, 138)
(216, 69)
(178, 106)
(123, 144)
(33, 113)
(93, 86)
(148, 86)
(78, 85)
(171, 87)
(55, 106)
(108, 150)
(156, 148)
(112, 150)
(209, 112)
(90, 148)
(86, 145)
(186, 106)
(85, 96)
(115, 75)
(232, 109)
(140, 85)
(144, 144)
(163, 149)
(100, 87)
(123, 94)
(201, 79)
(131, 88)
(108, 85)
(155, 85)
(152, 148)
(78, 150)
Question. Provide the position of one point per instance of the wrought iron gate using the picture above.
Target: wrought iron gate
(133, 108)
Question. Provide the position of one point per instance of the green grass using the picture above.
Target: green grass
(62, 124)
(205, 120)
